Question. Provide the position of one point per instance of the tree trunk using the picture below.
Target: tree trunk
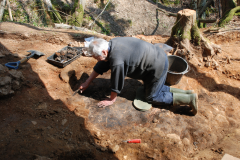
(227, 5)
(2, 5)
(186, 30)
(228, 16)
(77, 16)
(182, 30)
(238, 2)
(201, 4)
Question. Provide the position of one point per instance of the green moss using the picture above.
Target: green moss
(186, 35)
(130, 22)
(77, 16)
(201, 25)
(237, 14)
(196, 34)
(167, 2)
(56, 14)
(228, 16)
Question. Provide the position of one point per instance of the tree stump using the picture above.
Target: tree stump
(186, 31)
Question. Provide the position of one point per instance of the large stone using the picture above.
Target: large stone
(67, 73)
(174, 137)
(3, 69)
(186, 141)
(16, 85)
(229, 157)
(5, 80)
(6, 90)
(114, 148)
(222, 120)
(16, 74)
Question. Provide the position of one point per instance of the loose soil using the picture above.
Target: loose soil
(41, 119)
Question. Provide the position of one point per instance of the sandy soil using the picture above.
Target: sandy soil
(42, 120)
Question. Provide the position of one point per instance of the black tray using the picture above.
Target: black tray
(51, 60)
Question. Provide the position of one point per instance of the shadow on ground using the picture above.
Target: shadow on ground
(210, 84)
(35, 125)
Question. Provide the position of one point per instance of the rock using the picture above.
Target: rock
(42, 106)
(67, 73)
(3, 69)
(16, 85)
(237, 132)
(5, 81)
(64, 121)
(181, 52)
(114, 148)
(41, 158)
(221, 120)
(103, 149)
(174, 137)
(16, 74)
(186, 141)
(207, 64)
(1, 55)
(6, 91)
(228, 60)
(34, 122)
(81, 112)
(15, 55)
(97, 135)
(70, 44)
(214, 63)
(60, 38)
(155, 120)
(229, 157)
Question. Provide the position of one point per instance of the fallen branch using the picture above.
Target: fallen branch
(222, 29)
(207, 20)
(90, 25)
(167, 13)
(62, 26)
(204, 8)
(200, 20)
(9, 11)
(228, 16)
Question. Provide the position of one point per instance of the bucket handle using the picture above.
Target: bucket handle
(187, 70)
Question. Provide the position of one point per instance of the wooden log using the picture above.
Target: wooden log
(207, 20)
(167, 13)
(9, 11)
(62, 26)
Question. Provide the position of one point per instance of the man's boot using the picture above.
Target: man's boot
(186, 99)
(176, 90)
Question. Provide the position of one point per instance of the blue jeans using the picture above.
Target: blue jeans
(159, 93)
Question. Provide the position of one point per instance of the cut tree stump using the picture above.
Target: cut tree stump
(186, 31)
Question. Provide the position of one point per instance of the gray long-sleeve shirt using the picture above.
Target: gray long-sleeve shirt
(133, 58)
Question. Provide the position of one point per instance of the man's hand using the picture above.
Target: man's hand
(108, 101)
(83, 86)
(105, 103)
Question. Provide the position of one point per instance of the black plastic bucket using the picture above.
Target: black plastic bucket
(176, 69)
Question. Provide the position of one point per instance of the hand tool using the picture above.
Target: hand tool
(15, 65)
(77, 91)
(133, 141)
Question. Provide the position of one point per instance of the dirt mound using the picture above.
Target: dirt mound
(42, 119)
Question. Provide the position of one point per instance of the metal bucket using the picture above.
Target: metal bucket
(176, 69)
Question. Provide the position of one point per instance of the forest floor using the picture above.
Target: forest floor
(41, 119)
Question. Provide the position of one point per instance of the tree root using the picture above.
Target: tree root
(210, 49)
(228, 16)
